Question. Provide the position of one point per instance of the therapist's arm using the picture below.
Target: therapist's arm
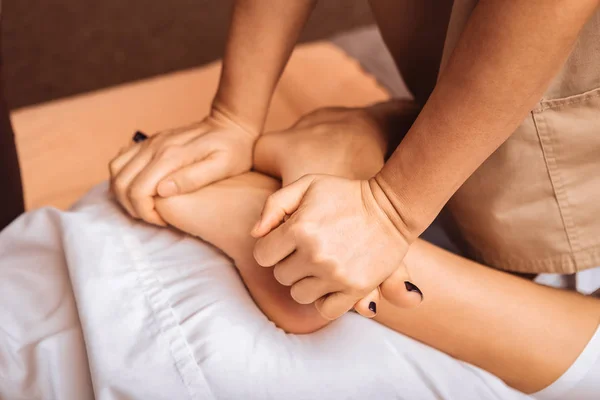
(503, 62)
(262, 36)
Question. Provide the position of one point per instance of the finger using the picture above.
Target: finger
(119, 182)
(367, 306)
(309, 290)
(400, 291)
(279, 204)
(127, 175)
(334, 305)
(166, 161)
(123, 157)
(144, 208)
(274, 247)
(291, 270)
(141, 196)
(191, 178)
(143, 189)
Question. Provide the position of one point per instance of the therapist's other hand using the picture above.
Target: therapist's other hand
(346, 142)
(180, 161)
(334, 241)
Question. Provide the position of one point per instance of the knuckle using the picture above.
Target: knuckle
(361, 285)
(305, 231)
(114, 162)
(136, 193)
(358, 284)
(120, 185)
(112, 167)
(318, 257)
(169, 152)
(271, 202)
(337, 274)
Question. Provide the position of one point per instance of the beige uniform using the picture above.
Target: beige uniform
(534, 205)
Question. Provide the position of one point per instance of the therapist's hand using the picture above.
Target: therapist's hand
(180, 161)
(339, 141)
(334, 241)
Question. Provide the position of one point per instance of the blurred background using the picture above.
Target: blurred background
(59, 48)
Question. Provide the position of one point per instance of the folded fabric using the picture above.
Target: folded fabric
(94, 304)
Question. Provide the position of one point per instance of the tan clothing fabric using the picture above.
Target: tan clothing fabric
(534, 205)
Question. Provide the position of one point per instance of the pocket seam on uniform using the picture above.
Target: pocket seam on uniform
(566, 101)
(556, 182)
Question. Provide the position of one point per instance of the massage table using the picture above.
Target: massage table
(96, 305)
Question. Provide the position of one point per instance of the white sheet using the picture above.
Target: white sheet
(94, 304)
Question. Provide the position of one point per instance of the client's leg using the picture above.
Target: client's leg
(488, 318)
(522, 332)
(223, 214)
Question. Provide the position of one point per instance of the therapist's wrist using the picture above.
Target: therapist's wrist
(222, 112)
(396, 208)
(266, 158)
(248, 112)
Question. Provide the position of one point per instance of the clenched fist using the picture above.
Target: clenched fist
(334, 241)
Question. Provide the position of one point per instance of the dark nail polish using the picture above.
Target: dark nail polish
(412, 288)
(139, 137)
(373, 307)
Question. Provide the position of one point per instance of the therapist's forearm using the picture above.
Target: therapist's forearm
(506, 57)
(526, 334)
(261, 37)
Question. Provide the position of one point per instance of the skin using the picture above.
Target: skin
(504, 60)
(223, 214)
(496, 313)
(345, 142)
(415, 37)
(261, 38)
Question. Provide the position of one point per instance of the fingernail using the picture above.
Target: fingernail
(139, 136)
(373, 307)
(167, 188)
(413, 288)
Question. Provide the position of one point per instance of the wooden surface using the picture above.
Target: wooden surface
(65, 145)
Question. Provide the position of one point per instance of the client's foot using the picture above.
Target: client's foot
(223, 214)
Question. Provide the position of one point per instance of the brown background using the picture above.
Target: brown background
(59, 48)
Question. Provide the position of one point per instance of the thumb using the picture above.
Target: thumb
(193, 177)
(281, 203)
